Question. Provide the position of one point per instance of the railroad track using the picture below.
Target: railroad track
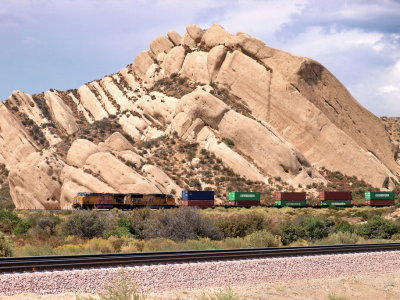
(43, 263)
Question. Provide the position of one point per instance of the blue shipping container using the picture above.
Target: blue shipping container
(197, 195)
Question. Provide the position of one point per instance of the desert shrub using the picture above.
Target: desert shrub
(315, 228)
(241, 225)
(118, 232)
(86, 224)
(343, 227)
(121, 287)
(368, 214)
(159, 244)
(35, 250)
(99, 245)
(5, 246)
(260, 239)
(226, 293)
(377, 228)
(339, 238)
(5, 197)
(22, 227)
(136, 221)
(8, 220)
(182, 224)
(228, 142)
(70, 249)
(291, 232)
(48, 223)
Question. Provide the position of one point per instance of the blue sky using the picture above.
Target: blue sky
(62, 44)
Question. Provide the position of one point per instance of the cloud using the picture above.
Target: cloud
(387, 89)
(64, 43)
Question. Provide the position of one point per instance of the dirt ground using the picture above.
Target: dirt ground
(363, 286)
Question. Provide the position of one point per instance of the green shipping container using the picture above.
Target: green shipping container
(336, 202)
(291, 202)
(376, 195)
(254, 196)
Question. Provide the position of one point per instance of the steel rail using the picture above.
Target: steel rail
(43, 263)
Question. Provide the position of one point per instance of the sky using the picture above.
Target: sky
(62, 44)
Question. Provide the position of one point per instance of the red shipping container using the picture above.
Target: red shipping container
(198, 203)
(287, 196)
(335, 196)
(380, 202)
(244, 203)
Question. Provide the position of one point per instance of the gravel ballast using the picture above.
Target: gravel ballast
(160, 278)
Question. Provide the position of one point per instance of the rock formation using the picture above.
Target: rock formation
(263, 118)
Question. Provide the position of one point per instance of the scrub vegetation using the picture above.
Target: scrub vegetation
(26, 233)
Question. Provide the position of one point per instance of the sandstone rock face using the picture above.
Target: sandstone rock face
(174, 37)
(80, 150)
(35, 181)
(263, 113)
(160, 44)
(62, 113)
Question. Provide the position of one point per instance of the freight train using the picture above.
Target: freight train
(205, 199)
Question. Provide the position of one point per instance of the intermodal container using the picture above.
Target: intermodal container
(336, 202)
(197, 203)
(284, 196)
(335, 196)
(197, 195)
(244, 203)
(244, 196)
(380, 202)
(376, 195)
(291, 202)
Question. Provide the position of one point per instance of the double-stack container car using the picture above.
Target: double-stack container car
(334, 198)
(202, 199)
(205, 199)
(290, 198)
(377, 198)
(245, 199)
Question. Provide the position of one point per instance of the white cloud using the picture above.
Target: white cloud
(260, 18)
(387, 89)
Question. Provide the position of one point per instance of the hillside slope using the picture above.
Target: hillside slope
(204, 110)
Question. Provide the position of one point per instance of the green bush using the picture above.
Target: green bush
(118, 232)
(343, 227)
(377, 228)
(86, 224)
(241, 225)
(315, 228)
(22, 227)
(8, 220)
(291, 232)
(181, 224)
(136, 221)
(5, 246)
(261, 239)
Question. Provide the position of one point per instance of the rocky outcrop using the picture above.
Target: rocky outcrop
(265, 114)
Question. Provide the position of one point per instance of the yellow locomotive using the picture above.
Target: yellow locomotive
(122, 201)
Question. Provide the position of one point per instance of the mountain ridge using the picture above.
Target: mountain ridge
(259, 114)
